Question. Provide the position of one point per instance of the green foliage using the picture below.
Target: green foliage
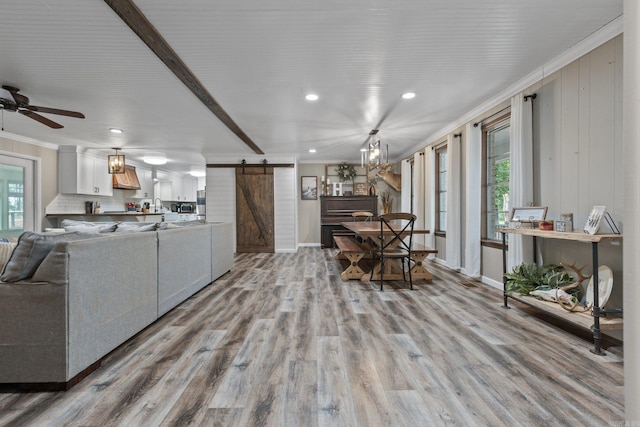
(502, 182)
(526, 278)
(346, 171)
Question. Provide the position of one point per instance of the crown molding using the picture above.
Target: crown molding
(596, 39)
(27, 140)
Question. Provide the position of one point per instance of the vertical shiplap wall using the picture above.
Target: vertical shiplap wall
(578, 155)
(221, 203)
(578, 149)
(285, 209)
(579, 127)
(221, 197)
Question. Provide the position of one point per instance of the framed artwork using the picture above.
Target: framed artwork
(309, 188)
(360, 189)
(595, 219)
(529, 214)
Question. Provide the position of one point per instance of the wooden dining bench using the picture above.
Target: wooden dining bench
(419, 253)
(353, 251)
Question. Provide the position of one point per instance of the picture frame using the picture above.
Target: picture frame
(528, 214)
(360, 189)
(309, 188)
(595, 219)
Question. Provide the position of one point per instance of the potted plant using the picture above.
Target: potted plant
(385, 199)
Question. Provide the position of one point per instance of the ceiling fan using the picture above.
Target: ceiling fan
(20, 103)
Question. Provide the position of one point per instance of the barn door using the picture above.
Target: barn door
(254, 210)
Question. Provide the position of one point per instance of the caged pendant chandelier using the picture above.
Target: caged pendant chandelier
(115, 162)
(374, 149)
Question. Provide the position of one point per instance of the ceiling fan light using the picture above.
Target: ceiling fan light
(154, 160)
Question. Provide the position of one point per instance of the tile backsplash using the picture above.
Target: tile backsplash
(74, 203)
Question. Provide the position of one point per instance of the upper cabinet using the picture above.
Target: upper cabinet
(145, 176)
(83, 173)
(189, 188)
(176, 188)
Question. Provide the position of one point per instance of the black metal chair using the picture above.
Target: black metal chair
(395, 242)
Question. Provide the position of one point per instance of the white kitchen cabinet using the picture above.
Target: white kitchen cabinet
(189, 188)
(145, 176)
(176, 188)
(82, 173)
(162, 190)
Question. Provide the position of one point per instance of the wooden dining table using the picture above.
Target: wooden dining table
(370, 230)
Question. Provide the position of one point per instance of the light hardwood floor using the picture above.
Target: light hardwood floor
(282, 341)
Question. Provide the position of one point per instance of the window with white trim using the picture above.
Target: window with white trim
(496, 139)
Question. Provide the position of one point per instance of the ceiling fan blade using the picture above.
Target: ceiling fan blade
(41, 119)
(55, 111)
(21, 100)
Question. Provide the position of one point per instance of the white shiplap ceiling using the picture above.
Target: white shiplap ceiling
(259, 58)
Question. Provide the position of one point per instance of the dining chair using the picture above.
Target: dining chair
(396, 239)
(362, 215)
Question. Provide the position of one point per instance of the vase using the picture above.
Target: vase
(372, 190)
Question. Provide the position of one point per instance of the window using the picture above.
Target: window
(496, 177)
(17, 196)
(441, 189)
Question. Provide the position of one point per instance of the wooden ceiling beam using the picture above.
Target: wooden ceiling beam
(135, 19)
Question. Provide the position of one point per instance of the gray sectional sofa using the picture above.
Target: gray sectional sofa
(88, 296)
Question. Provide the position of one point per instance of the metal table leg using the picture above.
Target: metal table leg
(504, 270)
(597, 335)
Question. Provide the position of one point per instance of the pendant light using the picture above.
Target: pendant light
(116, 163)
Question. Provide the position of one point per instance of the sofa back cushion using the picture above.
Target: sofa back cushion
(31, 249)
(133, 227)
(88, 227)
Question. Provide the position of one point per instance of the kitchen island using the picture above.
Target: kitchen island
(115, 216)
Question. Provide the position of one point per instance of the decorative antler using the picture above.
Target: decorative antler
(578, 271)
(571, 305)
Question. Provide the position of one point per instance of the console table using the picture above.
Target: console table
(597, 311)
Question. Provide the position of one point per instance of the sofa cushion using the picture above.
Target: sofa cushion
(31, 249)
(178, 224)
(133, 227)
(53, 268)
(6, 249)
(88, 227)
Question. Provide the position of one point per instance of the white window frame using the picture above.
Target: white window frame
(32, 217)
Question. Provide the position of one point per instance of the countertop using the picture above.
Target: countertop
(119, 213)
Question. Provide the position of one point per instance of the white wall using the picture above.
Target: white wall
(221, 198)
(285, 208)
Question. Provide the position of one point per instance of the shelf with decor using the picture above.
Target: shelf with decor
(353, 178)
(597, 319)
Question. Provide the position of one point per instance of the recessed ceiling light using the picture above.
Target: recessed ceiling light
(408, 95)
(198, 173)
(311, 97)
(363, 149)
(115, 130)
(312, 150)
